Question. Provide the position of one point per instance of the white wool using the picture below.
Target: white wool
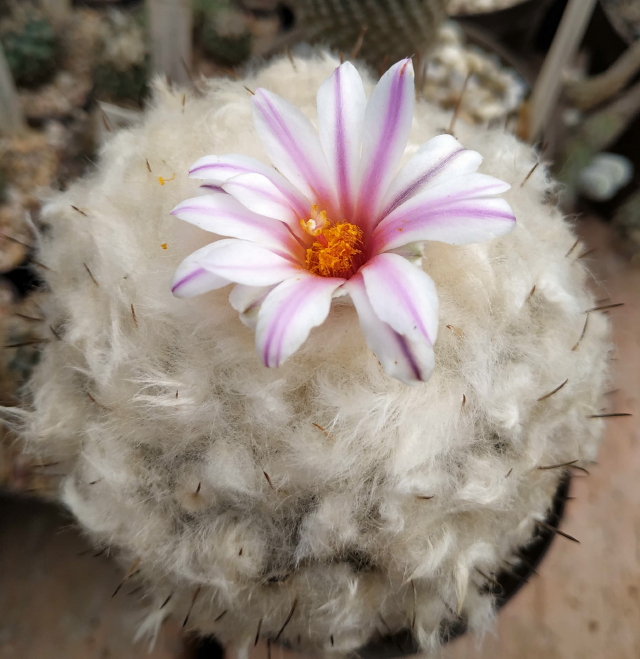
(306, 484)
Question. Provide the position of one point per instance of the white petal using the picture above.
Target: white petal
(246, 300)
(402, 296)
(247, 263)
(341, 107)
(459, 212)
(226, 216)
(437, 160)
(289, 312)
(192, 279)
(293, 145)
(219, 169)
(408, 361)
(387, 124)
(257, 193)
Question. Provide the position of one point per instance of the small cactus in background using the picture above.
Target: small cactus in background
(122, 69)
(388, 29)
(30, 47)
(627, 222)
(223, 33)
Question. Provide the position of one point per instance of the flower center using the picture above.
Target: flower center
(336, 247)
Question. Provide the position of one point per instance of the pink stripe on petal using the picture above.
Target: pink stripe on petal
(293, 146)
(387, 124)
(419, 182)
(409, 362)
(246, 300)
(196, 283)
(341, 108)
(460, 223)
(260, 195)
(437, 160)
(403, 296)
(223, 215)
(243, 262)
(219, 169)
(290, 312)
(192, 279)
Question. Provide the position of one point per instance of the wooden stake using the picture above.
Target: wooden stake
(11, 118)
(171, 26)
(565, 43)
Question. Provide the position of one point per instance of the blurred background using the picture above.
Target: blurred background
(563, 75)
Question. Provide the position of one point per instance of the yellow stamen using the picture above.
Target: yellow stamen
(334, 252)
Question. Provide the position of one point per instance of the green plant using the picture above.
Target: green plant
(31, 52)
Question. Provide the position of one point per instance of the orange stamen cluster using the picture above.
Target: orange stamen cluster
(334, 251)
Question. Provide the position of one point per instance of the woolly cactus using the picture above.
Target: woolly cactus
(307, 501)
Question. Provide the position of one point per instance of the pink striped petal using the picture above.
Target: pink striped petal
(387, 124)
(405, 360)
(458, 212)
(289, 313)
(341, 108)
(257, 193)
(219, 169)
(192, 279)
(293, 145)
(441, 158)
(402, 296)
(226, 216)
(243, 262)
(246, 300)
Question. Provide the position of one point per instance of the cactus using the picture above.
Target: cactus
(225, 48)
(627, 222)
(310, 502)
(394, 28)
(123, 67)
(223, 33)
(30, 48)
(130, 84)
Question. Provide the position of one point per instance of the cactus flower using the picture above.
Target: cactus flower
(339, 216)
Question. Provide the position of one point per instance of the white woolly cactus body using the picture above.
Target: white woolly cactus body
(324, 490)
